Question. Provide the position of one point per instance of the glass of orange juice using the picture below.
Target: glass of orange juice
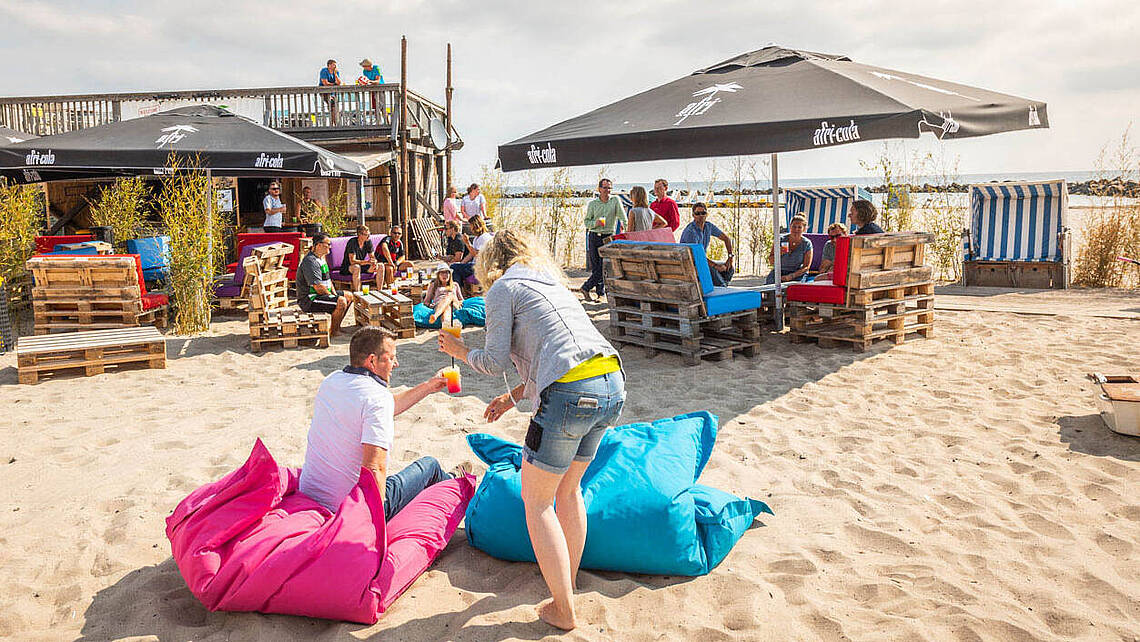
(454, 328)
(454, 383)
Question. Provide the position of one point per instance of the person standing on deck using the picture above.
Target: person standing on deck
(602, 217)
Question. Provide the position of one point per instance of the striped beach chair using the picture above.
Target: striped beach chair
(821, 206)
(1018, 235)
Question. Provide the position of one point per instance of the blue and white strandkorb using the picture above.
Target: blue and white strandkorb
(821, 206)
(1018, 222)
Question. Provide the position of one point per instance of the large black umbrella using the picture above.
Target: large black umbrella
(9, 136)
(767, 101)
(772, 100)
(226, 144)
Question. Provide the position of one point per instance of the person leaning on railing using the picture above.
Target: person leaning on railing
(330, 77)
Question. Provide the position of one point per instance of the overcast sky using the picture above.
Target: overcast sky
(521, 66)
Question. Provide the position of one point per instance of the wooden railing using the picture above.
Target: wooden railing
(371, 110)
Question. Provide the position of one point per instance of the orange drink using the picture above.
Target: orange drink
(454, 329)
(365, 289)
(454, 384)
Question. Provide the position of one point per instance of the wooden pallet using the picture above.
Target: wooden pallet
(89, 351)
(657, 327)
(888, 259)
(288, 327)
(832, 335)
(88, 293)
(426, 236)
(392, 312)
(909, 311)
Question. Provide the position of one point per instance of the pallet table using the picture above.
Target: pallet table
(392, 312)
(90, 351)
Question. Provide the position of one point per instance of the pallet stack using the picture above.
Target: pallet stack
(272, 321)
(90, 351)
(889, 296)
(89, 293)
(656, 303)
(392, 312)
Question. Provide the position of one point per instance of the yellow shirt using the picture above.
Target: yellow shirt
(595, 366)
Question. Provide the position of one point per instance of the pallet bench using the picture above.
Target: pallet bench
(392, 312)
(92, 292)
(89, 351)
(880, 291)
(272, 321)
(662, 299)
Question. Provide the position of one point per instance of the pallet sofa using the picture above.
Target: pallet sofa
(880, 289)
(662, 297)
(73, 293)
(272, 320)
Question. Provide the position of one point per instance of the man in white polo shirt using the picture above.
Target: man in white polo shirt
(353, 428)
(274, 208)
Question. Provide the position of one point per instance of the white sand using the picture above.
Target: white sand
(957, 488)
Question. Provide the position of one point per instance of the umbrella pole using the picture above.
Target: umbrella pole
(210, 219)
(778, 303)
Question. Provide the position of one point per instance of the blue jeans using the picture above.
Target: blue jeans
(400, 489)
(460, 272)
(594, 242)
(721, 279)
(571, 419)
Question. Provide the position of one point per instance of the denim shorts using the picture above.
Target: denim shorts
(571, 419)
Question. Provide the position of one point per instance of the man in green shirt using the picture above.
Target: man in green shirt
(602, 217)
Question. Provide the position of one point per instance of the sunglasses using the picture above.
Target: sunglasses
(700, 213)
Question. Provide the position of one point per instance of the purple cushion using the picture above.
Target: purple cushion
(227, 290)
(336, 254)
(817, 243)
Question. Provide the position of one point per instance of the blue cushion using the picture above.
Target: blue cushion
(472, 312)
(420, 315)
(730, 299)
(154, 252)
(644, 509)
(80, 251)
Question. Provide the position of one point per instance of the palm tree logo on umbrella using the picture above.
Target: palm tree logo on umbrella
(175, 134)
(709, 98)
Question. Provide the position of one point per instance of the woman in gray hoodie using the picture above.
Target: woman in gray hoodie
(573, 378)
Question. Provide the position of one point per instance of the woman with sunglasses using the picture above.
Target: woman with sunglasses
(795, 253)
(834, 231)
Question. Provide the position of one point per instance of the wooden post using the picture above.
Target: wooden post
(403, 213)
(447, 93)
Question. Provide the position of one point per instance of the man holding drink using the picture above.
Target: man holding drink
(602, 217)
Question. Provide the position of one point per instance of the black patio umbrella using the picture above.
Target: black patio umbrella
(225, 143)
(9, 136)
(768, 101)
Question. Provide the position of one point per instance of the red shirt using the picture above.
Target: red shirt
(666, 208)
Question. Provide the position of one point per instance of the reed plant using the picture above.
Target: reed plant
(123, 207)
(896, 174)
(1112, 228)
(944, 216)
(189, 212)
(493, 184)
(22, 216)
(333, 216)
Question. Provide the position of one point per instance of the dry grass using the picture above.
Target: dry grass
(896, 173)
(1113, 230)
(188, 210)
(122, 206)
(492, 184)
(944, 217)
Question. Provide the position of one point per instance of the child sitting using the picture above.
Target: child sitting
(443, 295)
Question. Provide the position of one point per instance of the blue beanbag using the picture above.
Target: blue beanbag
(473, 312)
(644, 509)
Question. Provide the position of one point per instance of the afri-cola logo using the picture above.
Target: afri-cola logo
(269, 162)
(37, 158)
(542, 156)
(828, 134)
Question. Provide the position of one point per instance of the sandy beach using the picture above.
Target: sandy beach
(957, 488)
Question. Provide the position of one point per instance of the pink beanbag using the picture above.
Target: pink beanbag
(252, 542)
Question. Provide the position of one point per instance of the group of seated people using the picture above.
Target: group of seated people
(364, 262)
(796, 249)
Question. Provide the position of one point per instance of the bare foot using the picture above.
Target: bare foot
(555, 617)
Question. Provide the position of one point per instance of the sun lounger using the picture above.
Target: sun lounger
(1018, 235)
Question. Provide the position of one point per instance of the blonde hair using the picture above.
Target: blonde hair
(510, 247)
(478, 225)
(638, 196)
(798, 217)
(837, 226)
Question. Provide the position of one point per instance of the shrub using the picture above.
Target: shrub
(122, 206)
(1112, 228)
(21, 219)
(189, 211)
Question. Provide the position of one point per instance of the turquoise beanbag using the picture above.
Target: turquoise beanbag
(473, 312)
(645, 511)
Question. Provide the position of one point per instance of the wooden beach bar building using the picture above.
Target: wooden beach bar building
(404, 139)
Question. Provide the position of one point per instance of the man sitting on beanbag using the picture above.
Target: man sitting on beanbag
(353, 428)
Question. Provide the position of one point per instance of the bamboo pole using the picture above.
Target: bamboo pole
(447, 115)
(402, 214)
(777, 302)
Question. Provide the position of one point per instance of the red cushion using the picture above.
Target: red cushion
(151, 301)
(48, 243)
(292, 260)
(842, 253)
(138, 268)
(821, 292)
